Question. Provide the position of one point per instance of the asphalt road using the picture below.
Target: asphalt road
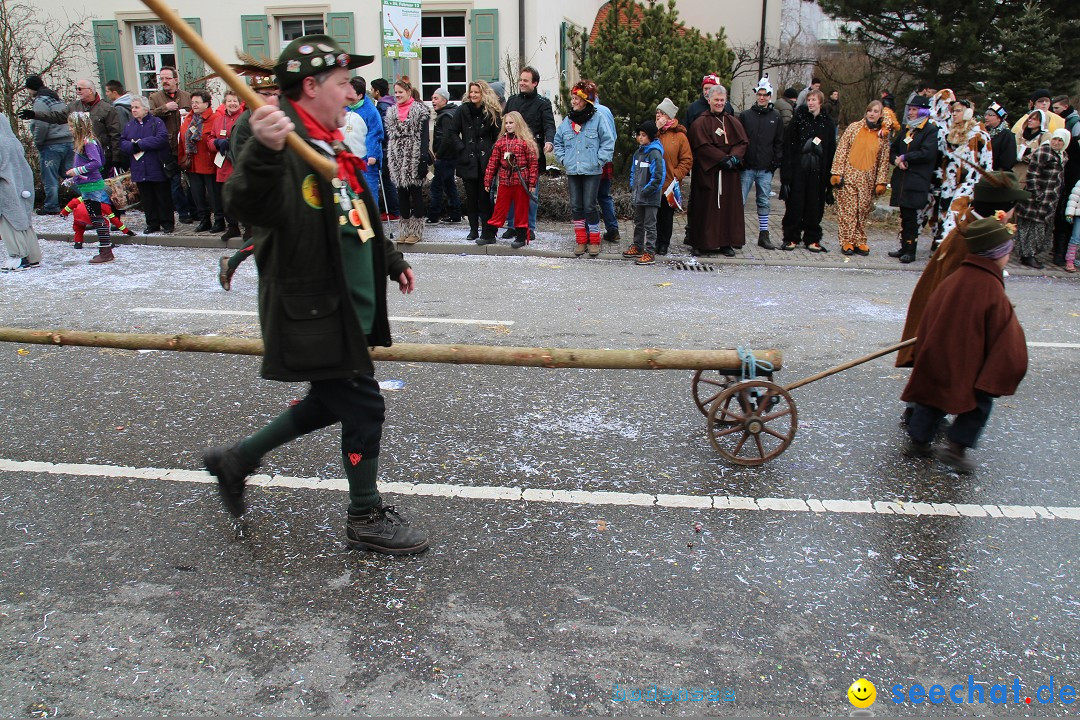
(128, 590)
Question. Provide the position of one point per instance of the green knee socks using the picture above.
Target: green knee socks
(363, 488)
(281, 430)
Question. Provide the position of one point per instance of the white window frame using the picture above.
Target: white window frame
(280, 21)
(158, 51)
(443, 43)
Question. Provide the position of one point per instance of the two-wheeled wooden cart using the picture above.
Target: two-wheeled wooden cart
(750, 418)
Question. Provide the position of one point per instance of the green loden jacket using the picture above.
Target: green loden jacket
(309, 325)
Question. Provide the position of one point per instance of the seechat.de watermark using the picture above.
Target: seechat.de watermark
(862, 693)
(657, 693)
(980, 693)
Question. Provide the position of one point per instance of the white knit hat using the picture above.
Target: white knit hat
(764, 84)
(668, 108)
(1063, 135)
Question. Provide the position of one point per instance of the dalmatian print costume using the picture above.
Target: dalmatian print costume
(969, 141)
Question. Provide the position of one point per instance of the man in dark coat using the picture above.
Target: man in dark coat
(809, 146)
(765, 130)
(914, 152)
(536, 109)
(970, 349)
(718, 143)
(1002, 140)
(444, 147)
(103, 115)
(323, 267)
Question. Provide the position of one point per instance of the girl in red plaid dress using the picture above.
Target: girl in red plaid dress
(514, 160)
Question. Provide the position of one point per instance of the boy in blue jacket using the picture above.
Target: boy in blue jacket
(646, 189)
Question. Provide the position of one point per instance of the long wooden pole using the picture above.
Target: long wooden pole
(326, 167)
(850, 364)
(645, 359)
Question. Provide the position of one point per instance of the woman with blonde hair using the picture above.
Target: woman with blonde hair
(408, 156)
(475, 126)
(860, 172)
(88, 181)
(514, 159)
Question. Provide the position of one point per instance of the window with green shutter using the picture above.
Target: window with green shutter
(485, 45)
(107, 42)
(340, 27)
(190, 65)
(255, 31)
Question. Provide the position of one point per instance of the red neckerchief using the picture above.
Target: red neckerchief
(349, 166)
(92, 103)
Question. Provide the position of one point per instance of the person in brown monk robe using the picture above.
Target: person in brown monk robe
(718, 143)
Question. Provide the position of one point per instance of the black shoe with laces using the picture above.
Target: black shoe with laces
(383, 530)
(231, 472)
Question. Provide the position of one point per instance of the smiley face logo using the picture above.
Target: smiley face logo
(862, 693)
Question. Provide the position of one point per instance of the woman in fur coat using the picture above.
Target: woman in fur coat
(408, 156)
(1035, 218)
(964, 139)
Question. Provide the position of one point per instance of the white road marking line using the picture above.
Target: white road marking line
(187, 311)
(1071, 346)
(571, 497)
(250, 313)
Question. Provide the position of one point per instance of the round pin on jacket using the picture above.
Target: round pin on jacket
(305, 49)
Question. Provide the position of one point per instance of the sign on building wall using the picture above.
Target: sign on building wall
(401, 28)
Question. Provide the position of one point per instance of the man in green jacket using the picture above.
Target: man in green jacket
(323, 265)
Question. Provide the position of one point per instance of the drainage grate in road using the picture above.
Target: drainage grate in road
(690, 265)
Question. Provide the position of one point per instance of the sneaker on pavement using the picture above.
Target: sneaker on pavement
(231, 472)
(632, 252)
(12, 264)
(579, 249)
(645, 259)
(594, 249)
(611, 236)
(382, 529)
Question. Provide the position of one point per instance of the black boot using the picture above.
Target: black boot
(909, 249)
(763, 240)
(522, 237)
(231, 472)
(219, 225)
(204, 225)
(383, 530)
(233, 231)
(487, 237)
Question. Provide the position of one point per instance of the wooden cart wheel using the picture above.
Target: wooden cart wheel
(709, 385)
(752, 421)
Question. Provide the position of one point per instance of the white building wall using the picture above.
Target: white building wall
(221, 26)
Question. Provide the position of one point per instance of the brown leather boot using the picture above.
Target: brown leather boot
(105, 255)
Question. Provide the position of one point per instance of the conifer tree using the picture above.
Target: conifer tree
(1027, 60)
